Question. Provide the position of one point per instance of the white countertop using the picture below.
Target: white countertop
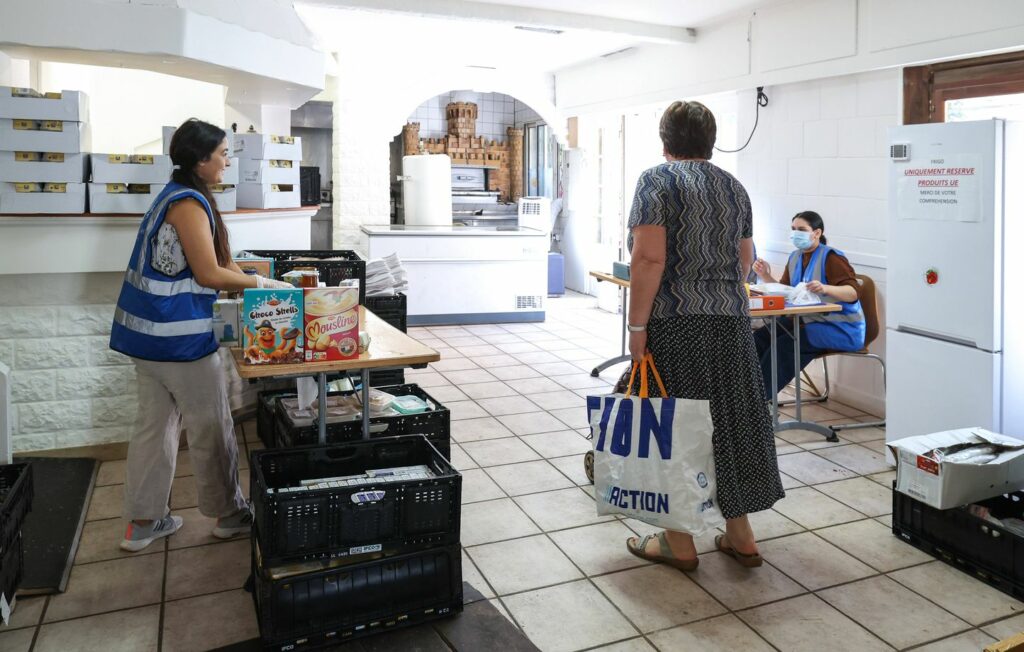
(406, 230)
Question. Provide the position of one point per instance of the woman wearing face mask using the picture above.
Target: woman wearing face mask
(164, 322)
(827, 273)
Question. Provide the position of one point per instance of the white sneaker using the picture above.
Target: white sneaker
(137, 537)
(230, 526)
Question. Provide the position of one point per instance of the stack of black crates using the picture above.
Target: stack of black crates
(15, 503)
(341, 560)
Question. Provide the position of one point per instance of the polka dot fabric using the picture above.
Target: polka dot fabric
(710, 357)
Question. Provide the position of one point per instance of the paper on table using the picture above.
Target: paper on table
(307, 390)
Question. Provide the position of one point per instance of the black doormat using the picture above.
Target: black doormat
(62, 488)
(479, 627)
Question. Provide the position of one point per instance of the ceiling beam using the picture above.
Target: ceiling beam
(517, 15)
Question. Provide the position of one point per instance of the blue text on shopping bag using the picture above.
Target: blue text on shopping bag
(651, 425)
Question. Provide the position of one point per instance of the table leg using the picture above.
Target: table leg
(365, 374)
(623, 356)
(321, 380)
(799, 423)
(775, 371)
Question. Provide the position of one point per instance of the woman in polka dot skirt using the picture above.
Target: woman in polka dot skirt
(690, 239)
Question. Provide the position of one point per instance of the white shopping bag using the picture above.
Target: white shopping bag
(653, 458)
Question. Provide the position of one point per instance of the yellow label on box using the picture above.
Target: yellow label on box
(281, 187)
(27, 187)
(24, 92)
(26, 156)
(276, 163)
(283, 140)
(25, 125)
(116, 188)
(117, 158)
(142, 159)
(55, 187)
(52, 125)
(138, 188)
(53, 157)
(52, 96)
(220, 187)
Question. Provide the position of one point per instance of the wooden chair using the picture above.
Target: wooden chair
(869, 303)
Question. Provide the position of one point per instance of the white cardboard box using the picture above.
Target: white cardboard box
(226, 322)
(71, 170)
(101, 201)
(231, 176)
(945, 485)
(263, 146)
(265, 195)
(74, 139)
(227, 200)
(70, 201)
(168, 133)
(104, 171)
(72, 105)
(254, 170)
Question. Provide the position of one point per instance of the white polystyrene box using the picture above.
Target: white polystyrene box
(73, 139)
(70, 201)
(265, 146)
(266, 195)
(71, 105)
(253, 170)
(231, 176)
(227, 200)
(71, 170)
(101, 201)
(106, 171)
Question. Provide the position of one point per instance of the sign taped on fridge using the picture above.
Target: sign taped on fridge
(653, 459)
(945, 189)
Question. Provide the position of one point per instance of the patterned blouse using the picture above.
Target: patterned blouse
(706, 212)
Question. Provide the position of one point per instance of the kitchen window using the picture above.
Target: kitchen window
(968, 89)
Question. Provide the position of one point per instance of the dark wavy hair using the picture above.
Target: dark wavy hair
(193, 142)
(688, 130)
(815, 222)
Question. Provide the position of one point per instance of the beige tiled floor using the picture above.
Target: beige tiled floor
(836, 578)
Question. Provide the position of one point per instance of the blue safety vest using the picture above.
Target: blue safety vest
(835, 331)
(160, 317)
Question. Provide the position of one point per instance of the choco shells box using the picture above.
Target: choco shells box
(272, 326)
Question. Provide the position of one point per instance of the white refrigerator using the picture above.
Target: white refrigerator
(954, 313)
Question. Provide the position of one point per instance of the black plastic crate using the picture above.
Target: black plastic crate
(12, 566)
(266, 408)
(332, 272)
(16, 492)
(435, 424)
(329, 607)
(972, 544)
(381, 378)
(350, 521)
(392, 309)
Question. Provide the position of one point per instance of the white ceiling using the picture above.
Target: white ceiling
(483, 32)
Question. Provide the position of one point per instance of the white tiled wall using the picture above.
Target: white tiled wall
(495, 113)
(821, 146)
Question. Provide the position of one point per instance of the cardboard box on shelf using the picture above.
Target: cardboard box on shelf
(120, 198)
(125, 168)
(331, 323)
(226, 321)
(61, 198)
(271, 323)
(226, 197)
(24, 135)
(43, 166)
(268, 195)
(253, 170)
(943, 483)
(26, 103)
(265, 146)
(257, 266)
(231, 176)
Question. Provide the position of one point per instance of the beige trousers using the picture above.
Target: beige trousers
(172, 394)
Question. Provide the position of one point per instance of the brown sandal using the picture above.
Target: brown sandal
(749, 561)
(666, 556)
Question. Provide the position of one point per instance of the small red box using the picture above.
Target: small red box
(767, 302)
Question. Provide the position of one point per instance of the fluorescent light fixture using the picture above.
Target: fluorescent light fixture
(482, 67)
(540, 30)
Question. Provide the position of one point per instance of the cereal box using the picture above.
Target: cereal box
(272, 324)
(226, 322)
(331, 323)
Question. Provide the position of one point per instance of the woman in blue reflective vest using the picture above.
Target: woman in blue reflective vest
(827, 273)
(164, 322)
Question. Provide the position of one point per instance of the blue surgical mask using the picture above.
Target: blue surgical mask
(800, 239)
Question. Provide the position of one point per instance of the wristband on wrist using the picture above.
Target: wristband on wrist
(636, 329)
